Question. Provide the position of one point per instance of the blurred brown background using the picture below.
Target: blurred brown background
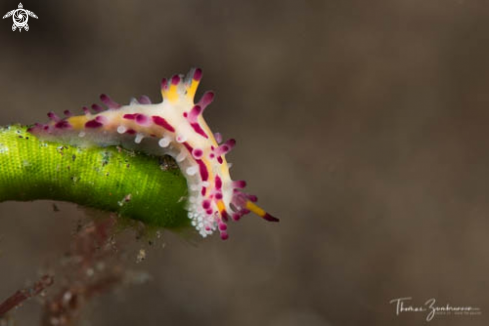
(363, 125)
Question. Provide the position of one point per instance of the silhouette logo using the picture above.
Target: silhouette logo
(20, 17)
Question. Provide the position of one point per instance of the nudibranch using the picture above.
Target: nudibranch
(174, 127)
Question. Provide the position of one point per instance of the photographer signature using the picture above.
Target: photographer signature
(432, 309)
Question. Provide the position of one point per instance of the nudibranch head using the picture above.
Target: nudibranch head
(174, 127)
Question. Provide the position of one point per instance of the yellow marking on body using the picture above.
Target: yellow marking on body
(164, 92)
(224, 166)
(220, 206)
(192, 88)
(255, 209)
(78, 122)
(171, 93)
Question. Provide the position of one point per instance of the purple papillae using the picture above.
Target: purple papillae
(226, 147)
(244, 196)
(252, 198)
(223, 227)
(93, 124)
(218, 182)
(63, 124)
(111, 104)
(206, 99)
(224, 215)
(162, 123)
(240, 184)
(164, 83)
(270, 218)
(206, 204)
(53, 117)
(175, 80)
(198, 74)
(195, 112)
(97, 108)
(197, 153)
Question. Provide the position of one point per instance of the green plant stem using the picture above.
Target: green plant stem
(133, 185)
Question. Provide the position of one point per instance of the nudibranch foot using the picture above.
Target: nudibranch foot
(174, 127)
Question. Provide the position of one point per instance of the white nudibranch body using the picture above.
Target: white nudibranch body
(174, 127)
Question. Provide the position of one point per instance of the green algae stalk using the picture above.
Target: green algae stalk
(133, 185)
